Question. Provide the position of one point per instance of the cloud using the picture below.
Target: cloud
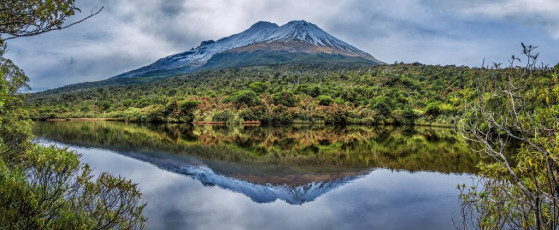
(539, 13)
(129, 34)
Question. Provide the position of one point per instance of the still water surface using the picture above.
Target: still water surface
(296, 177)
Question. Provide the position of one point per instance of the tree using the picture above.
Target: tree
(514, 123)
(408, 116)
(259, 87)
(47, 187)
(433, 109)
(224, 116)
(32, 17)
(284, 98)
(187, 108)
(14, 127)
(103, 105)
(324, 100)
(382, 105)
(246, 97)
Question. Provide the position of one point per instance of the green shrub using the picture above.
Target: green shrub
(408, 116)
(246, 97)
(171, 108)
(247, 115)
(382, 105)
(324, 100)
(126, 103)
(85, 108)
(259, 87)
(103, 105)
(186, 107)
(433, 109)
(223, 116)
(284, 98)
(143, 103)
(156, 114)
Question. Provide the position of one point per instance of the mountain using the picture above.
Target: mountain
(264, 43)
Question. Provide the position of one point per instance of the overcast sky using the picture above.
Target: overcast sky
(129, 34)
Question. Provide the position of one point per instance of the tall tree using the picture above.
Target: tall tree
(32, 17)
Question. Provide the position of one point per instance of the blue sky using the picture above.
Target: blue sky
(129, 34)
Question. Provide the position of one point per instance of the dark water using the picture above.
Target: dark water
(296, 177)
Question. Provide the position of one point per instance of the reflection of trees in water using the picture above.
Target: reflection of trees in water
(409, 148)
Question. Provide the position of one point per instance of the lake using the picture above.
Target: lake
(290, 177)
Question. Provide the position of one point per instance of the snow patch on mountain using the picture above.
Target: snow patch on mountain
(206, 50)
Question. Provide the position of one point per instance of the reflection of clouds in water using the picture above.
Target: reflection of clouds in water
(381, 200)
(150, 177)
(399, 200)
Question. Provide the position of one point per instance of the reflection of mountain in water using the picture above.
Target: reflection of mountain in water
(294, 164)
(265, 193)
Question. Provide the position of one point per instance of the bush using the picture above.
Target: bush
(224, 116)
(284, 98)
(382, 105)
(408, 116)
(55, 191)
(103, 105)
(259, 87)
(171, 108)
(126, 103)
(246, 97)
(433, 109)
(186, 107)
(247, 115)
(85, 108)
(324, 100)
(156, 114)
(142, 103)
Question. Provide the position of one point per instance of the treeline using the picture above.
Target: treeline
(390, 94)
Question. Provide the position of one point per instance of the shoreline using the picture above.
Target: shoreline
(83, 119)
(248, 123)
(245, 123)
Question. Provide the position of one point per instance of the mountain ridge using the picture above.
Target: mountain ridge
(261, 36)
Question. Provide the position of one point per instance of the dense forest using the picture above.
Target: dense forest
(389, 94)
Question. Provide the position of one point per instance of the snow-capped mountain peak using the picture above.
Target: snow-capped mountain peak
(259, 33)
(300, 31)
(307, 32)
